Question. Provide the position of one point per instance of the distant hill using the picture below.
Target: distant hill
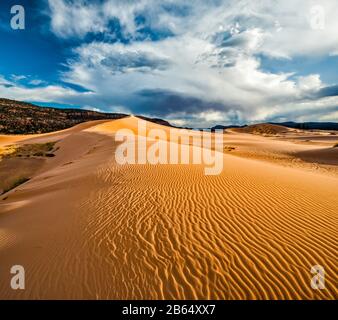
(263, 128)
(276, 127)
(221, 127)
(309, 125)
(25, 118)
(156, 120)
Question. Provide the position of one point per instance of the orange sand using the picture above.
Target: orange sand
(86, 227)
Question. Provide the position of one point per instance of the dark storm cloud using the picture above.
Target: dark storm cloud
(136, 61)
(295, 114)
(163, 103)
(7, 85)
(330, 91)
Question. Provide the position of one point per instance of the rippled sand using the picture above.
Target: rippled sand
(86, 227)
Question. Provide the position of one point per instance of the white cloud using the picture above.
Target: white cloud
(75, 19)
(310, 83)
(214, 116)
(289, 28)
(86, 107)
(37, 82)
(207, 71)
(51, 93)
(243, 86)
(330, 117)
(16, 78)
(178, 122)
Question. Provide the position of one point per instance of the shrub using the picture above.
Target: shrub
(16, 183)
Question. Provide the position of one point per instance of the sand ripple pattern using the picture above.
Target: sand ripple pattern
(170, 232)
(88, 228)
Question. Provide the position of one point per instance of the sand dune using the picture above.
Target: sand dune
(263, 129)
(294, 148)
(86, 227)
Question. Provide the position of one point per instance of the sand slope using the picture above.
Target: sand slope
(86, 227)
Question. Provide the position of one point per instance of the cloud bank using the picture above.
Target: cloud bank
(193, 62)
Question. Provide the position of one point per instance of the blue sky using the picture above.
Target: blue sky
(195, 63)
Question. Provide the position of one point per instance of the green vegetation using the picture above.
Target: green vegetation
(229, 148)
(28, 150)
(15, 184)
(24, 118)
(17, 162)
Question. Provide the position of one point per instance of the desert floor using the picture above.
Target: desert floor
(86, 227)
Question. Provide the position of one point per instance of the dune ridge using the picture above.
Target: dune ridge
(86, 227)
